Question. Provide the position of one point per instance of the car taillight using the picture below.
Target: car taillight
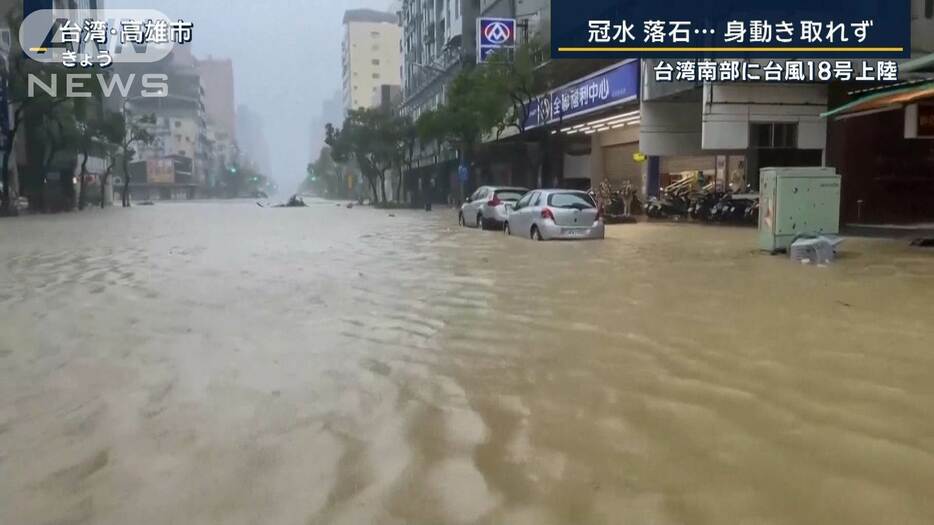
(546, 214)
(494, 201)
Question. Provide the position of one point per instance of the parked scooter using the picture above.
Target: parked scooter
(751, 215)
(703, 204)
(735, 209)
(669, 205)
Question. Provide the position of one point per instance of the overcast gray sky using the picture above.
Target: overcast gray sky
(286, 57)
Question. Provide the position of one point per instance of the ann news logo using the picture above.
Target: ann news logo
(86, 36)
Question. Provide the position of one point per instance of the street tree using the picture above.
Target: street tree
(324, 175)
(111, 130)
(134, 134)
(52, 137)
(242, 178)
(475, 105)
(111, 156)
(98, 135)
(525, 81)
(37, 109)
(366, 137)
(520, 83)
(405, 136)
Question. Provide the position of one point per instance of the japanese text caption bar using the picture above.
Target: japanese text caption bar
(731, 28)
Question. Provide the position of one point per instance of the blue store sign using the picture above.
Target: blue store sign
(617, 84)
(494, 34)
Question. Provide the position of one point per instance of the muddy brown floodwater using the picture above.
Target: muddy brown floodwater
(224, 363)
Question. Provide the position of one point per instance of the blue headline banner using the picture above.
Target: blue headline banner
(609, 87)
(31, 6)
(731, 28)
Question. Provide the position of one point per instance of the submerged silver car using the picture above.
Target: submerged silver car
(487, 207)
(556, 214)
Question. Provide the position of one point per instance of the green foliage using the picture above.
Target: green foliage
(39, 109)
(475, 104)
(429, 126)
(520, 84)
(406, 141)
(371, 137)
(58, 126)
(134, 131)
(324, 177)
(244, 180)
(99, 132)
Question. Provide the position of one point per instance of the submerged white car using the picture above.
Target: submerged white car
(555, 214)
(487, 207)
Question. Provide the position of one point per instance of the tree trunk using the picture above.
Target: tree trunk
(373, 189)
(104, 179)
(399, 185)
(82, 181)
(6, 206)
(6, 202)
(43, 182)
(466, 156)
(126, 182)
(382, 186)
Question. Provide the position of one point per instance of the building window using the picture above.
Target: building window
(374, 34)
(375, 61)
(928, 8)
(375, 75)
(775, 135)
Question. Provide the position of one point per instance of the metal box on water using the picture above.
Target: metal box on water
(795, 202)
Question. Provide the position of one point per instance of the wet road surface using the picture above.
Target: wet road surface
(224, 363)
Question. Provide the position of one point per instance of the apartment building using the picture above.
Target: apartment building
(219, 102)
(438, 40)
(175, 166)
(371, 55)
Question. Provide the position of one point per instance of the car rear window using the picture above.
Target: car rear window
(509, 195)
(579, 201)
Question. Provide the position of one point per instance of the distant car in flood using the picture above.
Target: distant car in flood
(487, 207)
(555, 214)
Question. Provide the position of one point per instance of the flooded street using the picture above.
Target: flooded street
(225, 363)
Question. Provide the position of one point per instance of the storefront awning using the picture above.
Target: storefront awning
(885, 100)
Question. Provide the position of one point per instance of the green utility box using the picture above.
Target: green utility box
(797, 201)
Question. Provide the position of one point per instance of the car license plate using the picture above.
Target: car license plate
(572, 231)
